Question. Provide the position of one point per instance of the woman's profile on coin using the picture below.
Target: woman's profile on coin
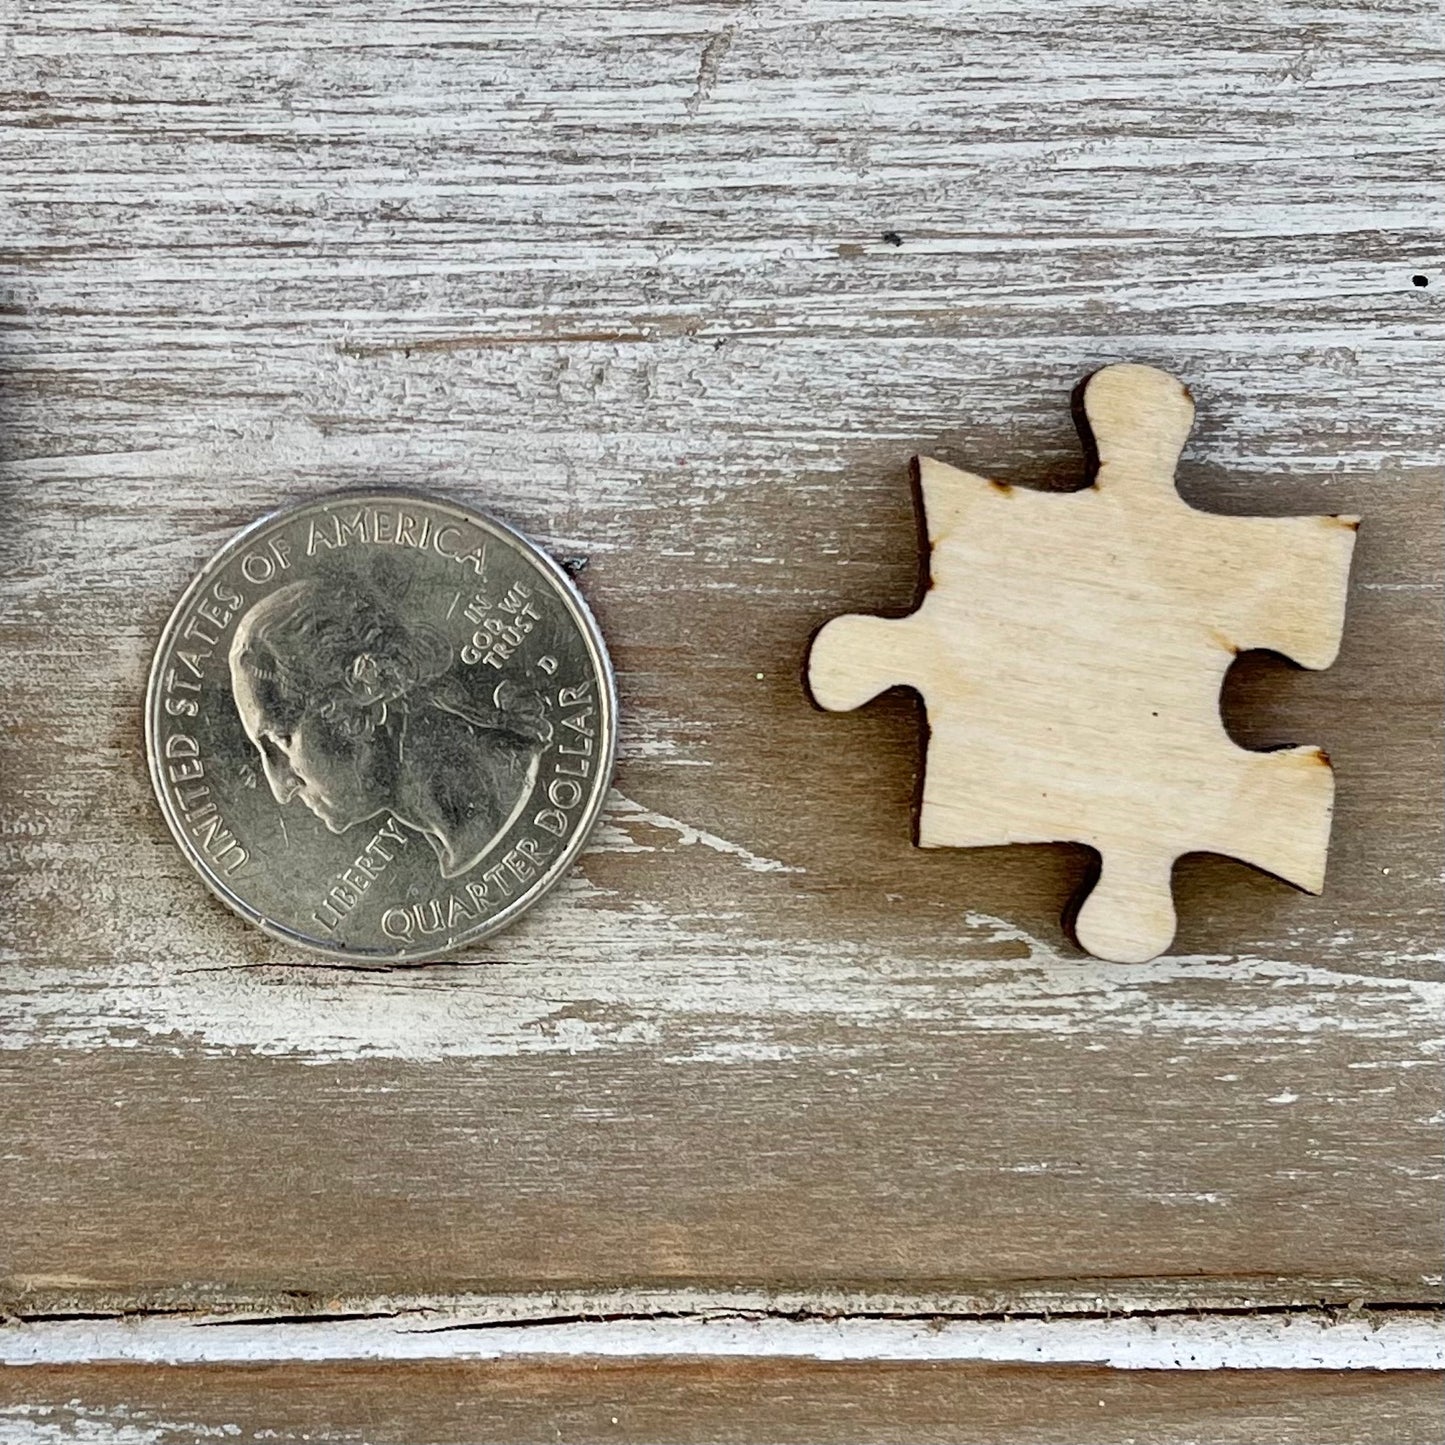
(411, 674)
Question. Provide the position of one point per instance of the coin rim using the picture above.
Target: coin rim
(597, 649)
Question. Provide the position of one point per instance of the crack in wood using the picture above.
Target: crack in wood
(1305, 1340)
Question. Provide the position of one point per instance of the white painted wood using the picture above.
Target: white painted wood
(708, 996)
(677, 289)
(1310, 1341)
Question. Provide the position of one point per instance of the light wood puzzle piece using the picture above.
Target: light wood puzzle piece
(1070, 654)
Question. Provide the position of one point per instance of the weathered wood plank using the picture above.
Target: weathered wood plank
(694, 1325)
(733, 1401)
(627, 274)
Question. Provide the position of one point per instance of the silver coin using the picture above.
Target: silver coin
(381, 725)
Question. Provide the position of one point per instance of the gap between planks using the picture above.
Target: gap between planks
(698, 1324)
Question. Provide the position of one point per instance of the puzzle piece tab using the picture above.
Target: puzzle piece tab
(1070, 654)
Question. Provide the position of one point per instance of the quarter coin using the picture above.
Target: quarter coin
(381, 725)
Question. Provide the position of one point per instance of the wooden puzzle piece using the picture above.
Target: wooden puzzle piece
(1070, 654)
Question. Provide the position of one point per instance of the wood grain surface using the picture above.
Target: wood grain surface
(722, 1402)
(679, 289)
(1069, 653)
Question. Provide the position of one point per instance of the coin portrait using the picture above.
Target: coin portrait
(381, 725)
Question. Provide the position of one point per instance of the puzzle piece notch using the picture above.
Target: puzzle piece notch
(1138, 420)
(1070, 654)
(1127, 915)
